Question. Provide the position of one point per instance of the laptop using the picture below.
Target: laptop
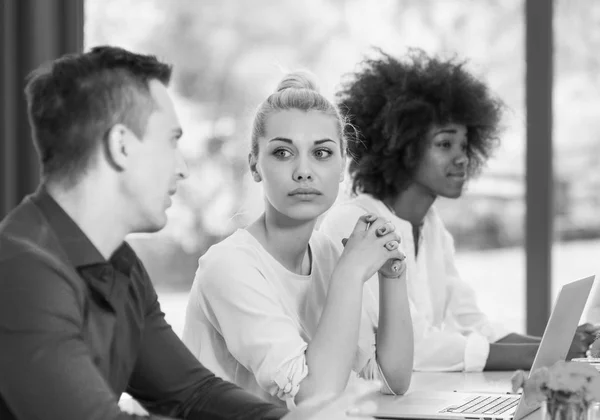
(554, 347)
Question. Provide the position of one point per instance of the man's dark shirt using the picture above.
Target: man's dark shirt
(76, 331)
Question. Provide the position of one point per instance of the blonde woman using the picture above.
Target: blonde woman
(275, 307)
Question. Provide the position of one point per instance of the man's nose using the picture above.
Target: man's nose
(182, 168)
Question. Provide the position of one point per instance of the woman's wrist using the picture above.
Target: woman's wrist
(348, 271)
(384, 277)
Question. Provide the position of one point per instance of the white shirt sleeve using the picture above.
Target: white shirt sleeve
(441, 349)
(244, 307)
(469, 319)
(459, 342)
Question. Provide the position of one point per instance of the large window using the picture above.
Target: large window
(576, 143)
(228, 56)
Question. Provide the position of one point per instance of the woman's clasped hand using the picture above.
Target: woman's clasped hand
(375, 246)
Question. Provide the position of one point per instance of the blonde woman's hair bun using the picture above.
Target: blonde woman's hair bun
(301, 79)
(297, 90)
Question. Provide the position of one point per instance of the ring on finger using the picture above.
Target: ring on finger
(382, 230)
(391, 245)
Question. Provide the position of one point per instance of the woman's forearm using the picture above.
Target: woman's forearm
(331, 352)
(395, 339)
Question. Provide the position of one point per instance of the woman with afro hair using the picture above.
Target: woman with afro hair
(424, 126)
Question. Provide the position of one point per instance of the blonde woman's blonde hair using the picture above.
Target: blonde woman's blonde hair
(297, 90)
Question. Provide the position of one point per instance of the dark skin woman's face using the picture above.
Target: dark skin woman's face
(443, 168)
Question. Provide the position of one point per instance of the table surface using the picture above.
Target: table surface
(427, 381)
(461, 381)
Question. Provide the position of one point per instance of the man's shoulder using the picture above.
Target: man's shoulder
(23, 225)
(27, 238)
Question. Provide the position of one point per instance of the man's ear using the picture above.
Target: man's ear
(118, 145)
(253, 168)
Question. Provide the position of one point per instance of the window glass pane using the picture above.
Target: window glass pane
(228, 56)
(576, 144)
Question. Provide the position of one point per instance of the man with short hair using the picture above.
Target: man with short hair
(80, 322)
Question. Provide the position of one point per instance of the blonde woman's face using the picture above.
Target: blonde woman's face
(300, 163)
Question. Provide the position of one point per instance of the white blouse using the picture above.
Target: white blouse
(451, 333)
(250, 320)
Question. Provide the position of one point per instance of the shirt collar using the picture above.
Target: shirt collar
(124, 259)
(79, 249)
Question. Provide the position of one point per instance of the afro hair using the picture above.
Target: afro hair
(391, 104)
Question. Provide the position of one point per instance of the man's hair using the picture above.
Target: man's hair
(73, 102)
(393, 103)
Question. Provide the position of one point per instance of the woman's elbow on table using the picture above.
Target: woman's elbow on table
(400, 385)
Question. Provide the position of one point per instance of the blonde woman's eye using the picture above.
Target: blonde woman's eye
(323, 153)
(282, 153)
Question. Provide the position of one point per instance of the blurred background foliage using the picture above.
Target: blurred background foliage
(230, 54)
